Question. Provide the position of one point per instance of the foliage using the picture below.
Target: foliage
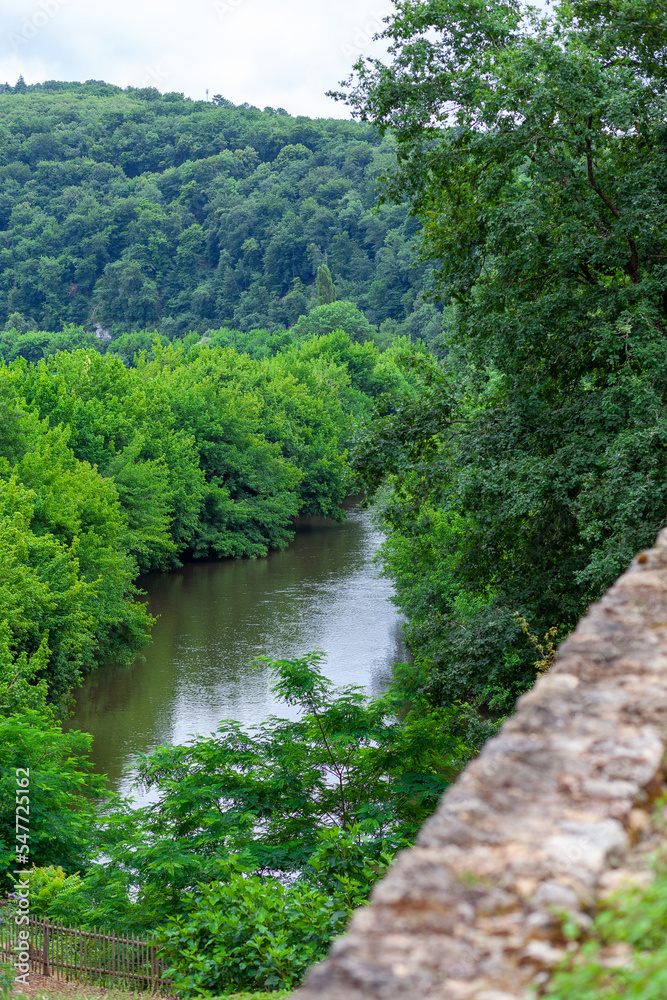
(250, 933)
(47, 882)
(325, 799)
(129, 210)
(326, 293)
(262, 995)
(63, 792)
(7, 974)
(66, 589)
(211, 452)
(634, 920)
(327, 317)
(345, 760)
(145, 218)
(251, 491)
(164, 413)
(108, 470)
(532, 467)
(546, 649)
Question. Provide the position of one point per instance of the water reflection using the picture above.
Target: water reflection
(216, 617)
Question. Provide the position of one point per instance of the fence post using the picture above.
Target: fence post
(154, 968)
(46, 971)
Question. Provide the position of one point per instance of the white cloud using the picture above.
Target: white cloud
(283, 54)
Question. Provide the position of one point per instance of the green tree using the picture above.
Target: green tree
(125, 293)
(326, 293)
(252, 933)
(123, 424)
(61, 789)
(66, 588)
(335, 316)
(531, 146)
(131, 209)
(251, 492)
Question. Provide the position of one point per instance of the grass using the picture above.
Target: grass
(258, 996)
(71, 992)
(119, 995)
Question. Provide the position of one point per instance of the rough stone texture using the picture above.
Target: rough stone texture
(555, 813)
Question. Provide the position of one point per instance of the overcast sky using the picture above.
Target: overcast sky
(282, 54)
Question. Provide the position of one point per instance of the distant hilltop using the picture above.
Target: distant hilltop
(126, 210)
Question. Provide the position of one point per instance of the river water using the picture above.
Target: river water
(215, 618)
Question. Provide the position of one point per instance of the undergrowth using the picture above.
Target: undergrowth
(631, 930)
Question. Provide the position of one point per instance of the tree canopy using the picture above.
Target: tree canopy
(532, 146)
(124, 210)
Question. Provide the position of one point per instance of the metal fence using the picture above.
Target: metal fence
(94, 956)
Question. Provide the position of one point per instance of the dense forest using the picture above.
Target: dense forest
(209, 328)
(133, 210)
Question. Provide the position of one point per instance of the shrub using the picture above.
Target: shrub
(252, 933)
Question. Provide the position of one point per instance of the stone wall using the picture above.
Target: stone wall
(556, 812)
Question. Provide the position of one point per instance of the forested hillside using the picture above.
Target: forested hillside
(227, 300)
(126, 210)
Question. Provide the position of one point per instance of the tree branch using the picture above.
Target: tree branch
(586, 273)
(632, 267)
(335, 768)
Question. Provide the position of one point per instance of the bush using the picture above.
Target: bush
(251, 933)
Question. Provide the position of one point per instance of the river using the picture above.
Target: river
(215, 618)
